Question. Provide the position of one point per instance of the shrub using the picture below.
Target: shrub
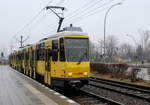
(115, 70)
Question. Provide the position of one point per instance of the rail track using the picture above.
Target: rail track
(84, 97)
(130, 90)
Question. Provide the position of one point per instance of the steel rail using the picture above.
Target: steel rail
(104, 99)
(123, 85)
(132, 94)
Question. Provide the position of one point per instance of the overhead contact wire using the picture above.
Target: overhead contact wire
(85, 9)
(89, 13)
(32, 20)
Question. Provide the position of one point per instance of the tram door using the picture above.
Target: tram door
(47, 66)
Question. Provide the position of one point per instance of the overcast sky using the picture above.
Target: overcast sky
(127, 18)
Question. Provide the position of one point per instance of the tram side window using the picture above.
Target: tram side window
(20, 56)
(24, 57)
(37, 54)
(27, 56)
(62, 50)
(32, 56)
(40, 52)
(55, 50)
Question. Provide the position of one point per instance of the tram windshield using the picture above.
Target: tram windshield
(77, 49)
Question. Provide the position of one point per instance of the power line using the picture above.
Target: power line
(35, 25)
(32, 20)
(92, 4)
(53, 28)
(78, 9)
(91, 12)
(60, 2)
(99, 11)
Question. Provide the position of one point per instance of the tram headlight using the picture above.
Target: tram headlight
(70, 74)
(85, 73)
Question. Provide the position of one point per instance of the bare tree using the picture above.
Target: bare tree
(93, 51)
(126, 51)
(139, 53)
(145, 43)
(111, 46)
(101, 47)
(145, 38)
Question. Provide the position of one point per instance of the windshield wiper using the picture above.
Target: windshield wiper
(81, 58)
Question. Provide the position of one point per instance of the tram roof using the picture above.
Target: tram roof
(62, 34)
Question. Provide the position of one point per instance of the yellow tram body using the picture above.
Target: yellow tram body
(59, 60)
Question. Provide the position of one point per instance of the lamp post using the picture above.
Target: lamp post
(105, 25)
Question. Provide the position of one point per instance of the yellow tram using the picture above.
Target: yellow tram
(60, 60)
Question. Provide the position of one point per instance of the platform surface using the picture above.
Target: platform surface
(17, 89)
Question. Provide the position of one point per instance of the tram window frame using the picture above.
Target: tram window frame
(20, 56)
(32, 55)
(27, 55)
(24, 55)
(40, 52)
(55, 50)
(62, 56)
(37, 53)
(48, 54)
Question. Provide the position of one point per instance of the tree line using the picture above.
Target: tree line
(122, 52)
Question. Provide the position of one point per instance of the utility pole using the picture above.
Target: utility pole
(22, 40)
